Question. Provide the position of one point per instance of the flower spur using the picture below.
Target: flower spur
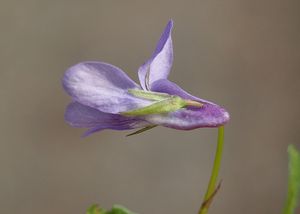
(104, 97)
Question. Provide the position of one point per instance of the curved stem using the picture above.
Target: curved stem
(212, 189)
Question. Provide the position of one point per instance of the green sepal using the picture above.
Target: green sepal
(293, 181)
(141, 130)
(164, 106)
(149, 95)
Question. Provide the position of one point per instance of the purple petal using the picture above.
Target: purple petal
(191, 118)
(101, 86)
(166, 86)
(210, 115)
(78, 115)
(160, 63)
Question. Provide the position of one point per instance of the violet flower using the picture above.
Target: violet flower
(104, 97)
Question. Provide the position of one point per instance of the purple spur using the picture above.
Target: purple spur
(104, 97)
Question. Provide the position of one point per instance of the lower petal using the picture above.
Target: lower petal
(209, 115)
(191, 118)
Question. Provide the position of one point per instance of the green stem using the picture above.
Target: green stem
(211, 189)
(293, 193)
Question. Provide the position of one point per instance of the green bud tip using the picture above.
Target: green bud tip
(193, 103)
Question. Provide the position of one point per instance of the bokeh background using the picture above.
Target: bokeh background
(244, 55)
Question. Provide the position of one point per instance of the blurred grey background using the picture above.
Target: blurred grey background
(244, 55)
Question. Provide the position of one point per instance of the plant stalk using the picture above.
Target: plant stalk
(212, 188)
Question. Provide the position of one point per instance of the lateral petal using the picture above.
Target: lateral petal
(166, 86)
(78, 115)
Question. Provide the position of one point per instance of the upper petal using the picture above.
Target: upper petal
(101, 86)
(160, 63)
